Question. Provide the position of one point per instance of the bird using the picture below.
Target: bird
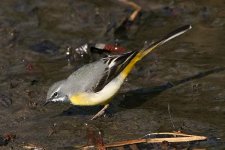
(96, 83)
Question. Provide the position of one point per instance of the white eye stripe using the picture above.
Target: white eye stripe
(60, 99)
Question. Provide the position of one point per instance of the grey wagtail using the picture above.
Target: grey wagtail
(96, 83)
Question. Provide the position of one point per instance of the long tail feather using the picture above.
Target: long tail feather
(166, 38)
(151, 47)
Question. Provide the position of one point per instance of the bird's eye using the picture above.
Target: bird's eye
(55, 94)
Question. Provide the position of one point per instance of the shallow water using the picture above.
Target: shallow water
(186, 74)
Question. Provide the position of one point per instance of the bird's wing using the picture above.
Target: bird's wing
(114, 65)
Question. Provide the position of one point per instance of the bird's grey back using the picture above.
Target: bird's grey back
(85, 78)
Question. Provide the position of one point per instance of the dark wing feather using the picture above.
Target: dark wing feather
(115, 63)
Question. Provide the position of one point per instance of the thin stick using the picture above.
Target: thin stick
(178, 138)
(171, 120)
(135, 6)
(101, 112)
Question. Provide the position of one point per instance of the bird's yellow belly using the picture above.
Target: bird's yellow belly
(98, 98)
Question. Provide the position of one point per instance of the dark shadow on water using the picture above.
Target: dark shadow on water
(79, 110)
(137, 97)
(86, 111)
(143, 94)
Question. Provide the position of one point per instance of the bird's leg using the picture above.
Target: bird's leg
(101, 112)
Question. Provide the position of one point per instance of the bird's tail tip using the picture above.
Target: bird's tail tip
(167, 38)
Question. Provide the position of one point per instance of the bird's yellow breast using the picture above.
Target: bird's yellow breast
(83, 99)
(98, 98)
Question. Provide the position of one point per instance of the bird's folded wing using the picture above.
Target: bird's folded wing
(115, 64)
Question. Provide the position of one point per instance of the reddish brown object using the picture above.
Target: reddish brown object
(94, 137)
(6, 138)
(114, 48)
(9, 136)
(29, 67)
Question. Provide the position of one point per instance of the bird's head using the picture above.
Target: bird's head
(56, 94)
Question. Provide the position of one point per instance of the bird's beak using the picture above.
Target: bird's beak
(47, 102)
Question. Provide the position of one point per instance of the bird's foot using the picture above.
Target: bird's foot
(101, 112)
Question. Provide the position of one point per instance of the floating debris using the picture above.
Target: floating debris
(32, 147)
(92, 51)
(110, 48)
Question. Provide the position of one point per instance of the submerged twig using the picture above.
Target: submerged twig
(135, 6)
(124, 26)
